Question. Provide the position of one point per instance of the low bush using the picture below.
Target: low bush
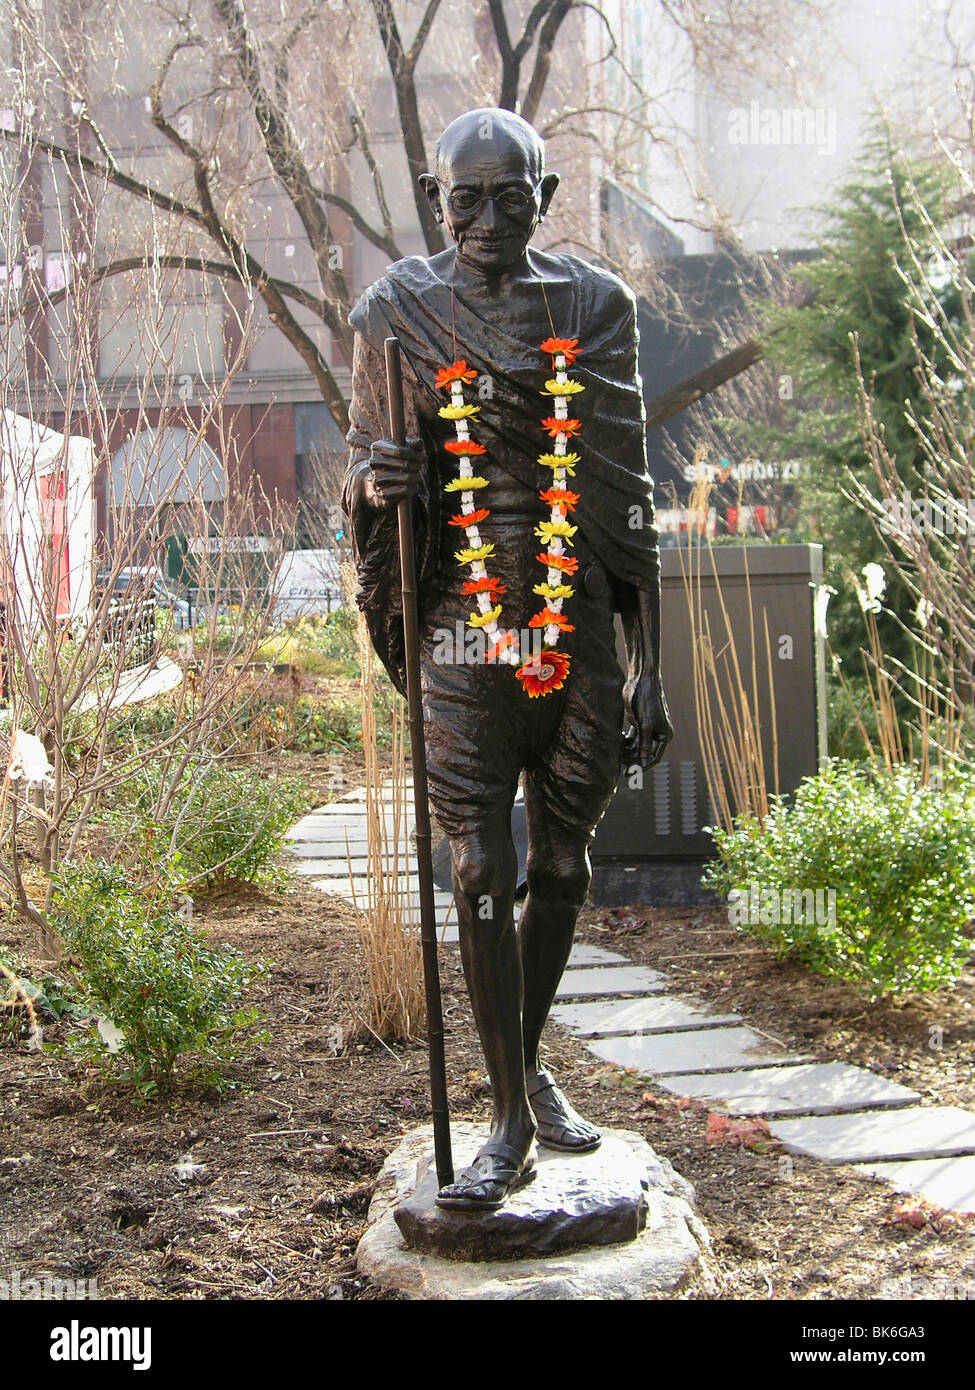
(899, 856)
(161, 992)
(223, 823)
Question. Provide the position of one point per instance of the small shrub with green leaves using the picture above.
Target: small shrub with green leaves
(141, 964)
(900, 857)
(225, 823)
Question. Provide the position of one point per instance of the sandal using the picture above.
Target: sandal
(497, 1171)
(557, 1121)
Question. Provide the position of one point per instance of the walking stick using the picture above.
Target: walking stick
(424, 859)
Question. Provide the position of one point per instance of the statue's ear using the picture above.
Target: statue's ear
(431, 188)
(549, 184)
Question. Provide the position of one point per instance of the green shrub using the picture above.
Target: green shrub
(224, 823)
(900, 857)
(141, 964)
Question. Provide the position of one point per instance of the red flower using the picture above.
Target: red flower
(555, 427)
(464, 446)
(472, 518)
(548, 616)
(487, 585)
(564, 347)
(540, 675)
(559, 497)
(568, 564)
(458, 372)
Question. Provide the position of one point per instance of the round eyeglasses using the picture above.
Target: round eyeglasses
(465, 202)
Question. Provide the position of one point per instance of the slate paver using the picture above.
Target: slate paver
(317, 868)
(344, 888)
(659, 1015)
(594, 955)
(947, 1182)
(607, 981)
(926, 1132)
(706, 1050)
(341, 872)
(335, 832)
(818, 1089)
(332, 852)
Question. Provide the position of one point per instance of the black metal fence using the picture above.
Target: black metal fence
(130, 632)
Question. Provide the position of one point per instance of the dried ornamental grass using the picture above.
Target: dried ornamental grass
(388, 921)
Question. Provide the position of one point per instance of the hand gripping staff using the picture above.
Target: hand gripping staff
(424, 860)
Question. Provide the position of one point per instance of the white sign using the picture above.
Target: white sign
(235, 545)
(307, 582)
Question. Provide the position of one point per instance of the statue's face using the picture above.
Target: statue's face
(491, 196)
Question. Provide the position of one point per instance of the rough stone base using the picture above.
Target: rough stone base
(671, 1248)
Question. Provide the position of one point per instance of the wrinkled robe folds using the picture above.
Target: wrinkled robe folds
(615, 510)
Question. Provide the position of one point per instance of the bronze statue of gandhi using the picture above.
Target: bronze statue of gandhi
(531, 545)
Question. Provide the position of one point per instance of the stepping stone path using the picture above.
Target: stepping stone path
(832, 1111)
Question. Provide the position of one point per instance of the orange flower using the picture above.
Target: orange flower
(559, 497)
(568, 564)
(458, 372)
(485, 585)
(464, 446)
(549, 618)
(540, 675)
(472, 518)
(555, 427)
(562, 346)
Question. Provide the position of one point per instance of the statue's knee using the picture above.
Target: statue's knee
(566, 880)
(478, 874)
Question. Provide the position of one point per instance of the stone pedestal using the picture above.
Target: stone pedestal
(615, 1223)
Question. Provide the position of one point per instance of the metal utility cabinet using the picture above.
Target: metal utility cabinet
(651, 844)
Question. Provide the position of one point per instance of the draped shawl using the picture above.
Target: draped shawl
(615, 510)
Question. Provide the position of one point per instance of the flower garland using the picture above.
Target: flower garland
(542, 672)
(481, 586)
(547, 670)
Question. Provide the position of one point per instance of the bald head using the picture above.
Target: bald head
(487, 131)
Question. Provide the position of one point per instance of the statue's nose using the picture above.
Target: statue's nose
(489, 215)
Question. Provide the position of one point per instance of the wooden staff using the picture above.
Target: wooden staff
(424, 858)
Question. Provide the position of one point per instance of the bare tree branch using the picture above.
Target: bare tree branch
(402, 67)
(284, 154)
(543, 57)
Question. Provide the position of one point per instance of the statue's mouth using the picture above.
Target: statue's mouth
(490, 243)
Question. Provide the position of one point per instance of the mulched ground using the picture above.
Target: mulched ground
(261, 1192)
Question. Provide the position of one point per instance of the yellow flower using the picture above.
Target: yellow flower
(566, 461)
(472, 553)
(466, 484)
(562, 388)
(457, 412)
(547, 529)
(484, 619)
(554, 590)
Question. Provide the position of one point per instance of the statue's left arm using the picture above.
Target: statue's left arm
(648, 719)
(643, 695)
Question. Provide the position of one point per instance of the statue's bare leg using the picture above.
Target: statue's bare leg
(559, 874)
(485, 870)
